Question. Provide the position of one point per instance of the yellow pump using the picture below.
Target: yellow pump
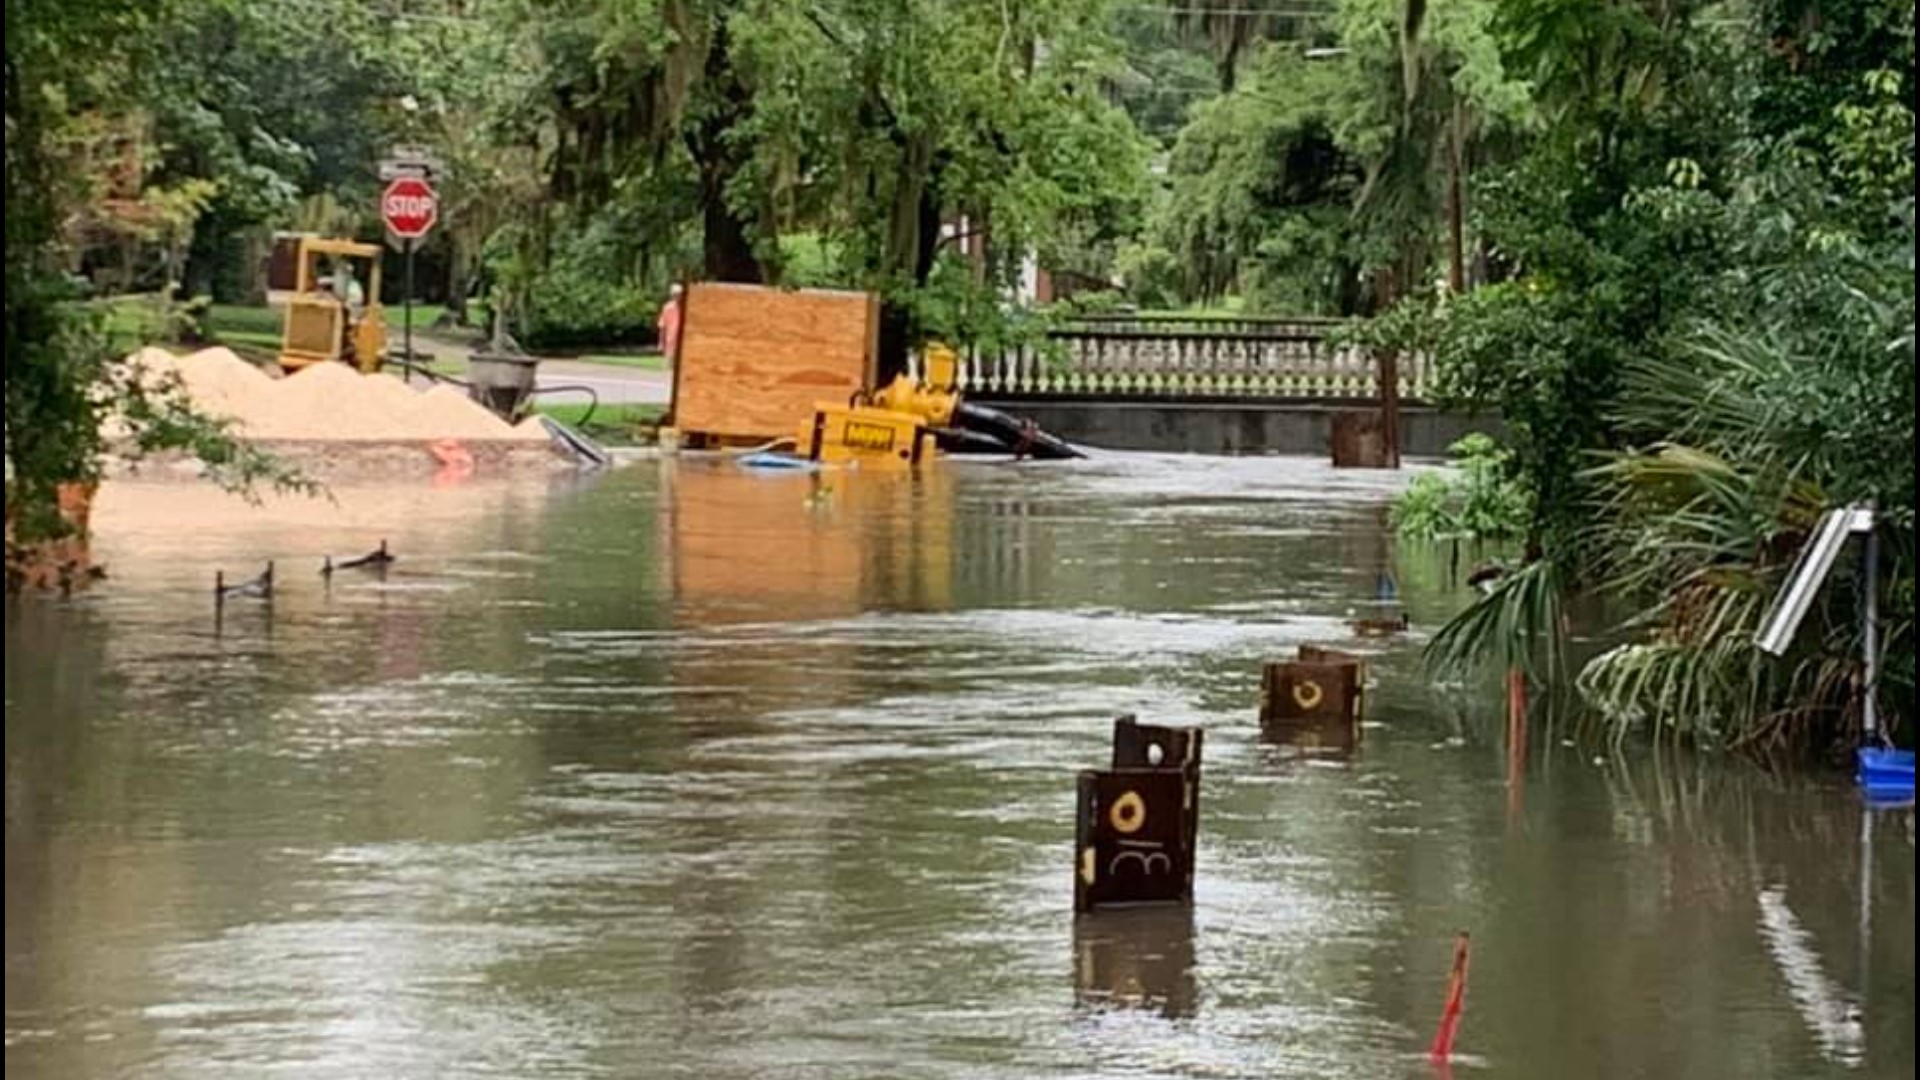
(933, 400)
(905, 423)
(891, 427)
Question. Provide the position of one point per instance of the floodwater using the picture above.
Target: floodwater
(685, 772)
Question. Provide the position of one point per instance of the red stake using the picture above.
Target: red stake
(1442, 1050)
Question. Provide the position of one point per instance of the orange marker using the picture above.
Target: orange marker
(1442, 1050)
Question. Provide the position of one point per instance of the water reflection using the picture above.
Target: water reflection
(1137, 958)
(568, 794)
(741, 545)
(1332, 739)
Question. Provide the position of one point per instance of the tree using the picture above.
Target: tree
(1165, 73)
(1424, 80)
(1262, 192)
(62, 383)
(273, 102)
(1233, 28)
(1708, 341)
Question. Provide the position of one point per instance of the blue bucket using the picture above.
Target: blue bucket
(1887, 775)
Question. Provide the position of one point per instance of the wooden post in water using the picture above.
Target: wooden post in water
(1313, 704)
(1317, 654)
(1137, 825)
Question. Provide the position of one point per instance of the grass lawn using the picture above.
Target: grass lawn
(616, 425)
(132, 322)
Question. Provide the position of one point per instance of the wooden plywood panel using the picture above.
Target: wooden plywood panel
(754, 360)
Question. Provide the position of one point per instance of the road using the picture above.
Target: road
(615, 385)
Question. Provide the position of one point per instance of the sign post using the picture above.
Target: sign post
(410, 207)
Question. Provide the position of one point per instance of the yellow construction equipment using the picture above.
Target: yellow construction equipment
(324, 320)
(843, 434)
(906, 422)
(891, 427)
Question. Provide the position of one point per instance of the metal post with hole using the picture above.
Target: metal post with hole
(406, 317)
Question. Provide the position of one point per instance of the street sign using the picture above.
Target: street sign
(411, 161)
(410, 208)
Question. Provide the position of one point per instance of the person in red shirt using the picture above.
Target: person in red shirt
(669, 324)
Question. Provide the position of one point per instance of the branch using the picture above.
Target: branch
(956, 238)
(826, 31)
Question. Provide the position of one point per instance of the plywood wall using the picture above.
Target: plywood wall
(755, 360)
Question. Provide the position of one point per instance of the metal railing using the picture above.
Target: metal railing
(1190, 358)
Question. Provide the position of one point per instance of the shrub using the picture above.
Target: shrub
(1480, 500)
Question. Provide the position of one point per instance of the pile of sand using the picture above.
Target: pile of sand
(327, 403)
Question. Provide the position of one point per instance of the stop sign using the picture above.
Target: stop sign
(410, 207)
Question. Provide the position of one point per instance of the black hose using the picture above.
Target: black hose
(593, 405)
(432, 375)
(962, 441)
(1022, 436)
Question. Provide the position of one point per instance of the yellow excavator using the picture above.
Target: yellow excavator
(908, 422)
(327, 318)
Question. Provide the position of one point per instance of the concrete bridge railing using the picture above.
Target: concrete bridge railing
(1135, 358)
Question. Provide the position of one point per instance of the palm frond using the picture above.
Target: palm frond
(1520, 625)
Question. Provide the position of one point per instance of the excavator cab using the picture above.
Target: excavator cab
(333, 310)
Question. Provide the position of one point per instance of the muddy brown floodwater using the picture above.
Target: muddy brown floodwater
(686, 772)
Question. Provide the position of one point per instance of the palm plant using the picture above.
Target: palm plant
(1698, 544)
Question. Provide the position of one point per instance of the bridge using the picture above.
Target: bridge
(1208, 384)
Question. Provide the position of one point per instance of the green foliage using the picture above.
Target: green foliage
(571, 306)
(865, 124)
(1151, 273)
(808, 262)
(1479, 501)
(1165, 75)
(64, 378)
(1231, 28)
(1704, 338)
(1521, 625)
(1420, 85)
(953, 307)
(612, 424)
(1805, 402)
(1257, 181)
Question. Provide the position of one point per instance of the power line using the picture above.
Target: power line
(1232, 13)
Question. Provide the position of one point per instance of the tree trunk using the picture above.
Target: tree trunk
(1389, 377)
(897, 330)
(1350, 293)
(1457, 201)
(729, 254)
(453, 281)
(1229, 65)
